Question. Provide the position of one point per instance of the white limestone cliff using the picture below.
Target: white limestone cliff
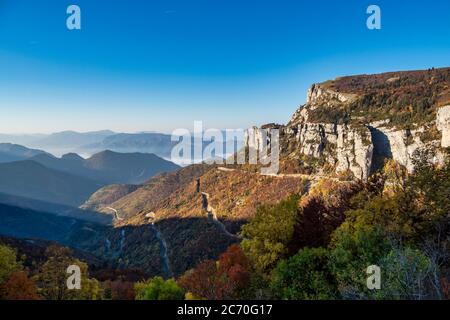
(355, 147)
(443, 125)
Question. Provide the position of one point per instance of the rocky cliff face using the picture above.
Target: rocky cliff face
(348, 140)
(402, 145)
(346, 147)
(342, 146)
(443, 125)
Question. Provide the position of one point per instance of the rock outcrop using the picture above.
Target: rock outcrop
(356, 144)
(344, 147)
(403, 145)
(443, 125)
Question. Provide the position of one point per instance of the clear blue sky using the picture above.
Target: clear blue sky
(158, 65)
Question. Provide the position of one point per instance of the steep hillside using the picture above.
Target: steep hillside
(148, 197)
(187, 242)
(72, 164)
(32, 180)
(177, 220)
(34, 251)
(104, 242)
(129, 168)
(5, 157)
(107, 195)
(234, 195)
(408, 99)
(25, 223)
(54, 208)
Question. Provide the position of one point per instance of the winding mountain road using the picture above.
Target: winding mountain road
(310, 181)
(213, 216)
(312, 177)
(165, 262)
(116, 213)
(212, 212)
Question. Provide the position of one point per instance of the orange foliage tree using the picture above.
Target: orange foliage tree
(119, 290)
(218, 280)
(19, 287)
(321, 212)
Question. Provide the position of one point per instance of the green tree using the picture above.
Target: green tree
(267, 236)
(383, 211)
(427, 194)
(159, 289)
(304, 276)
(8, 263)
(352, 253)
(52, 277)
(405, 275)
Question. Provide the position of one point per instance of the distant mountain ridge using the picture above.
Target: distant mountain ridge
(157, 143)
(71, 179)
(22, 139)
(71, 139)
(13, 152)
(110, 167)
(90, 143)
